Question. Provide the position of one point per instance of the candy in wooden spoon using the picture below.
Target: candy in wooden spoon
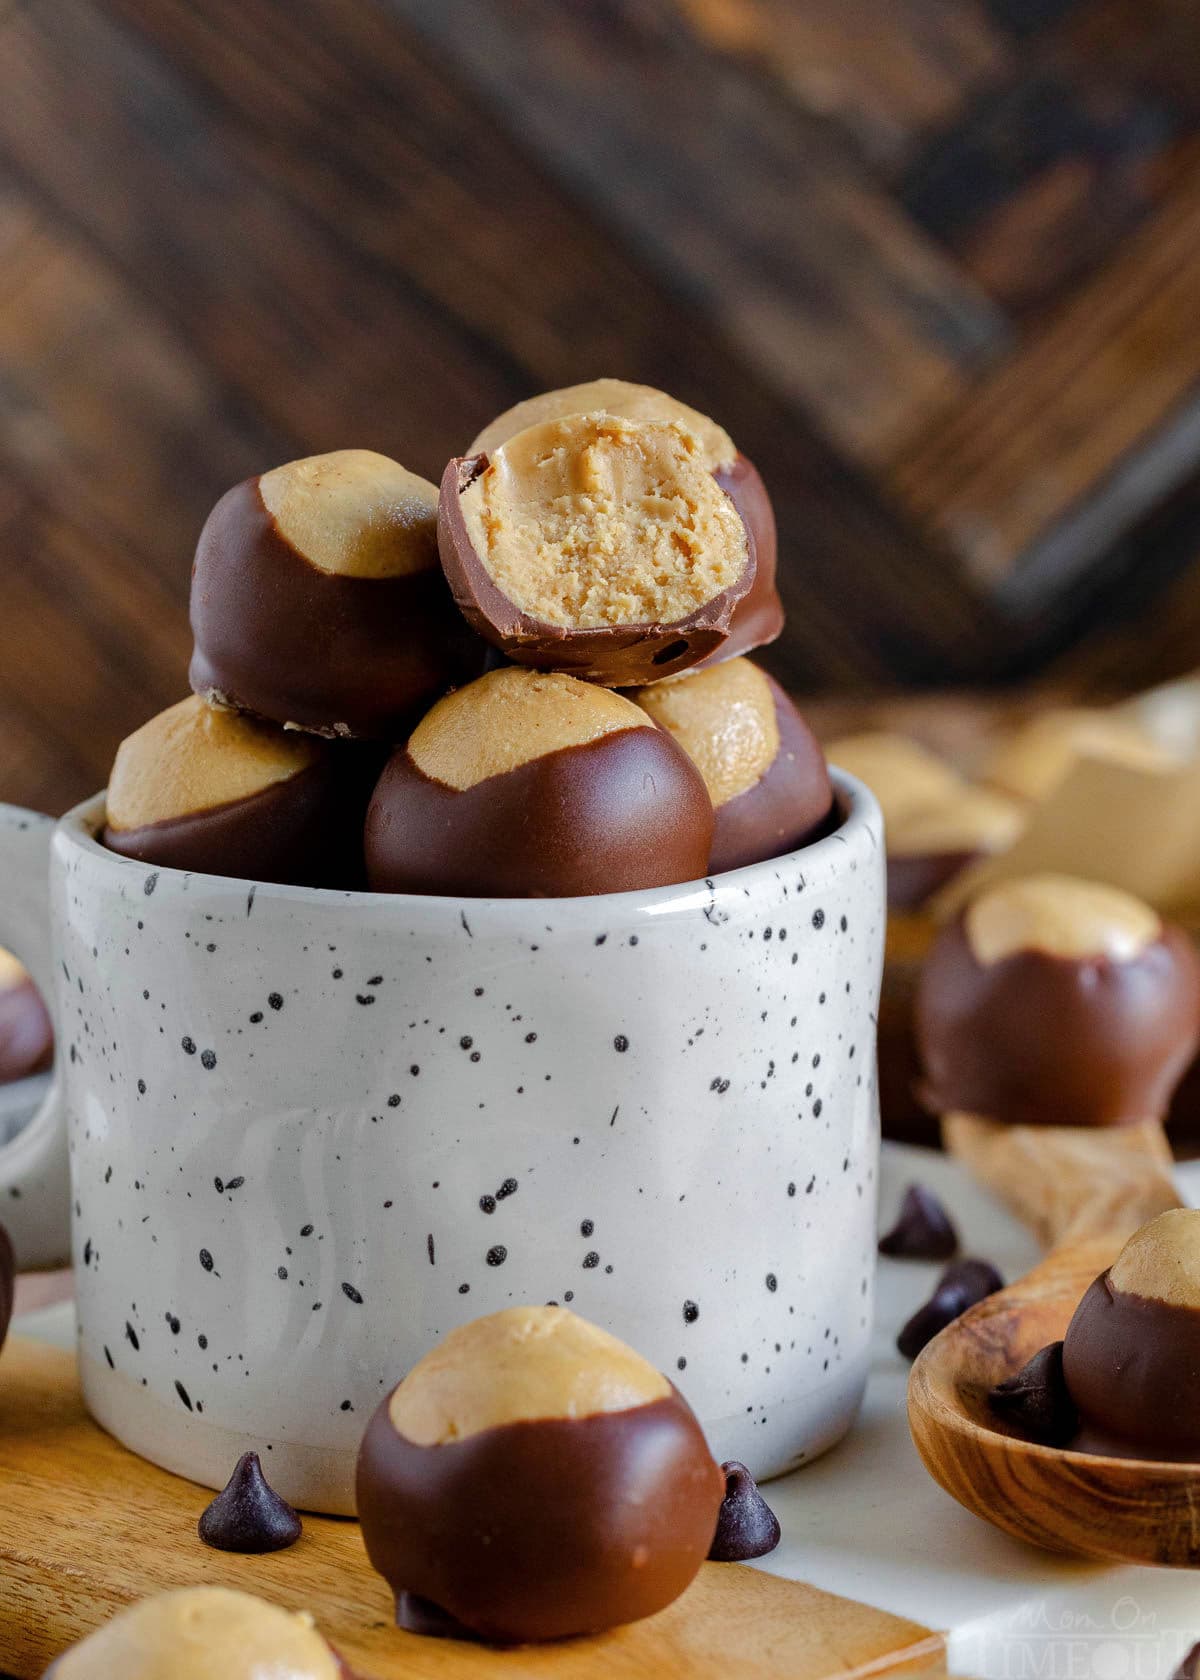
(1057, 1002)
(1132, 1350)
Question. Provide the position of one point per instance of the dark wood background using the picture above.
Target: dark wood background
(935, 264)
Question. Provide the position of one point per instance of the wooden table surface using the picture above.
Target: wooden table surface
(88, 1528)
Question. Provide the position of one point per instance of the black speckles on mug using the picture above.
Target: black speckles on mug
(633, 1049)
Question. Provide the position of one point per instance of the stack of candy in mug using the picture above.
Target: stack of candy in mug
(529, 683)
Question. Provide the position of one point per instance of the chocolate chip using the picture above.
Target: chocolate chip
(248, 1515)
(1037, 1402)
(746, 1525)
(959, 1287)
(922, 1231)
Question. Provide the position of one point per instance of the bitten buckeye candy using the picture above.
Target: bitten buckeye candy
(758, 616)
(203, 789)
(533, 1478)
(200, 1633)
(1132, 1350)
(535, 785)
(597, 546)
(1052, 1001)
(318, 602)
(764, 771)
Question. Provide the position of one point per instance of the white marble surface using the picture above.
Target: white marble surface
(868, 1522)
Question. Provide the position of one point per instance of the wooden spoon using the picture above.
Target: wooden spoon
(1084, 1192)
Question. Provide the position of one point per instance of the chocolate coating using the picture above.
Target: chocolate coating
(1131, 1365)
(746, 1525)
(282, 834)
(912, 881)
(1040, 1039)
(1037, 1401)
(622, 812)
(248, 1515)
(614, 655)
(331, 653)
(8, 1282)
(26, 1031)
(758, 616)
(960, 1286)
(789, 802)
(543, 1529)
(923, 1229)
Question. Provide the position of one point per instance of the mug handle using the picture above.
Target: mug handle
(35, 1191)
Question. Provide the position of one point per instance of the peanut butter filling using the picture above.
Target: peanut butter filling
(12, 971)
(1162, 1261)
(193, 757)
(510, 717)
(724, 719)
(196, 1633)
(354, 513)
(1060, 916)
(523, 1364)
(903, 776)
(1037, 758)
(609, 396)
(972, 821)
(592, 521)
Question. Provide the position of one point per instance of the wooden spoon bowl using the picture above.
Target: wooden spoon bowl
(1087, 1193)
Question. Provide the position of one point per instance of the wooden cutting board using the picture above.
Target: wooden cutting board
(86, 1528)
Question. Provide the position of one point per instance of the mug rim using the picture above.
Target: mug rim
(862, 819)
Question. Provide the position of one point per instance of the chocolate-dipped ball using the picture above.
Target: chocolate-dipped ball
(903, 775)
(205, 789)
(1038, 756)
(530, 784)
(1132, 1351)
(196, 1634)
(597, 546)
(758, 616)
(1052, 1001)
(927, 847)
(764, 771)
(318, 601)
(26, 1031)
(532, 1478)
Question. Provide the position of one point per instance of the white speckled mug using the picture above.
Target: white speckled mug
(311, 1131)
